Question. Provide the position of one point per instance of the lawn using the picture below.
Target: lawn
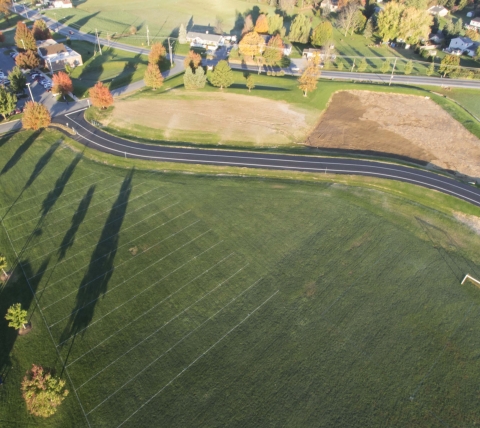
(11, 22)
(205, 300)
(114, 67)
(269, 88)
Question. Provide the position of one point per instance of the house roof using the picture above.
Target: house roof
(477, 19)
(437, 9)
(466, 40)
(203, 36)
(53, 49)
(311, 50)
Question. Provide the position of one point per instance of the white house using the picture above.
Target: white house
(331, 5)
(205, 40)
(438, 11)
(461, 43)
(62, 4)
(57, 55)
(475, 23)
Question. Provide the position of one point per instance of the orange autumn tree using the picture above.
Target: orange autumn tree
(153, 78)
(157, 53)
(100, 96)
(192, 60)
(261, 26)
(35, 116)
(62, 84)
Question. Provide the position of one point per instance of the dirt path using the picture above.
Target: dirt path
(405, 125)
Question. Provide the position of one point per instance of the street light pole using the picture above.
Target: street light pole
(30, 90)
(23, 43)
(170, 50)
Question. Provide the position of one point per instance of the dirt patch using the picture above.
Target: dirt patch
(470, 220)
(404, 125)
(26, 330)
(133, 250)
(221, 117)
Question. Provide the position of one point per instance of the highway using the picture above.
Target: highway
(95, 138)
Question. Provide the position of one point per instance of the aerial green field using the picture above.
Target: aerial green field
(204, 300)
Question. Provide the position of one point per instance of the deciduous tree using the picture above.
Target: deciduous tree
(35, 116)
(252, 44)
(28, 59)
(308, 80)
(449, 64)
(40, 30)
(100, 96)
(153, 78)
(222, 76)
(5, 6)
(16, 316)
(250, 82)
(24, 38)
(192, 60)
(408, 67)
(286, 5)
(3, 264)
(473, 35)
(300, 29)
(157, 53)
(18, 81)
(261, 26)
(322, 33)
(414, 25)
(388, 21)
(385, 68)
(275, 23)
(247, 24)
(347, 19)
(8, 101)
(194, 79)
(62, 84)
(362, 66)
(43, 393)
(430, 70)
(274, 51)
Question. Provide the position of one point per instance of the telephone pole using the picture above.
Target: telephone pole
(148, 37)
(393, 69)
(98, 40)
(170, 51)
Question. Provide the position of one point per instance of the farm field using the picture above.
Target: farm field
(197, 300)
(398, 124)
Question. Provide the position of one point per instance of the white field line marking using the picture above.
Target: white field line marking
(44, 193)
(67, 206)
(114, 267)
(212, 155)
(61, 197)
(106, 254)
(471, 278)
(162, 326)
(98, 228)
(45, 321)
(175, 345)
(154, 306)
(133, 276)
(196, 359)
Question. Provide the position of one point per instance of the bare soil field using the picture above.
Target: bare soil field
(219, 118)
(404, 125)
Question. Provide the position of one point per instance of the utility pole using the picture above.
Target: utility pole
(98, 40)
(148, 37)
(31, 95)
(393, 69)
(170, 51)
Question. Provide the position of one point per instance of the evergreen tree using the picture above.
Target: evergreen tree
(250, 82)
(275, 23)
(385, 66)
(430, 70)
(300, 29)
(24, 38)
(449, 64)
(368, 30)
(458, 29)
(222, 76)
(8, 102)
(18, 81)
(40, 30)
(28, 59)
(408, 67)
(194, 79)
(362, 66)
(182, 35)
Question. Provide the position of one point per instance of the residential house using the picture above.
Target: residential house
(331, 5)
(438, 10)
(311, 53)
(472, 49)
(205, 40)
(475, 23)
(460, 43)
(437, 38)
(287, 49)
(62, 4)
(57, 55)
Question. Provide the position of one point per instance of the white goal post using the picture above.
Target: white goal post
(471, 278)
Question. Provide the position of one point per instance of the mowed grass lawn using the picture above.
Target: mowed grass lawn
(114, 67)
(194, 300)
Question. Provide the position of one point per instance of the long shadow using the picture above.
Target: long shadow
(94, 283)
(83, 21)
(42, 163)
(19, 153)
(77, 220)
(16, 290)
(59, 186)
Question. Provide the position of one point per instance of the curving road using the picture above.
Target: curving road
(95, 138)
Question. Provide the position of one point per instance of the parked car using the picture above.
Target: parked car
(18, 110)
(70, 32)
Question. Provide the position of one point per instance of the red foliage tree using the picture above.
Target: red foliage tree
(35, 116)
(2, 37)
(27, 59)
(100, 96)
(24, 37)
(192, 60)
(40, 30)
(62, 84)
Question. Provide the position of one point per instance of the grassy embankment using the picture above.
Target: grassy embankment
(200, 297)
(278, 89)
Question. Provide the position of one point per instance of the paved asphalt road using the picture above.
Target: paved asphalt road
(95, 138)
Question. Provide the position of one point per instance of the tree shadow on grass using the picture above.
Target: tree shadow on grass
(101, 267)
(42, 163)
(77, 220)
(19, 153)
